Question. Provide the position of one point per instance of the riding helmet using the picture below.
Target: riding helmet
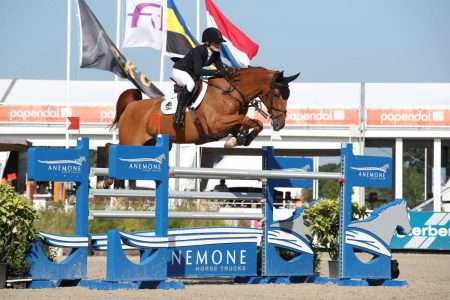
(212, 35)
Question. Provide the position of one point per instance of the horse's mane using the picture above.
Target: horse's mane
(246, 70)
(250, 69)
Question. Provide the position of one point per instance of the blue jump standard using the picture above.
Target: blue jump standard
(66, 165)
(255, 256)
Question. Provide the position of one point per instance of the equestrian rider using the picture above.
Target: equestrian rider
(188, 69)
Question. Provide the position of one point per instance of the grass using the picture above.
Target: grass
(56, 220)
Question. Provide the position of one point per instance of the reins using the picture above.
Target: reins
(245, 103)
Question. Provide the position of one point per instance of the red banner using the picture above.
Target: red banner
(55, 114)
(319, 116)
(408, 117)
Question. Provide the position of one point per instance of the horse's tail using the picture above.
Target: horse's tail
(125, 98)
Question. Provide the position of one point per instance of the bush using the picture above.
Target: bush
(16, 229)
(323, 221)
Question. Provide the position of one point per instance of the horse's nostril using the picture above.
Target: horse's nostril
(277, 124)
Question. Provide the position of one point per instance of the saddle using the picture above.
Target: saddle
(169, 105)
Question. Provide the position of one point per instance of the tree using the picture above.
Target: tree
(329, 189)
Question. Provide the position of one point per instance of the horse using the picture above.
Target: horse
(221, 113)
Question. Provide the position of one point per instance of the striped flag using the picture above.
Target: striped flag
(179, 37)
(239, 48)
(144, 27)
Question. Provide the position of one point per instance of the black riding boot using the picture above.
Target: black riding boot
(183, 98)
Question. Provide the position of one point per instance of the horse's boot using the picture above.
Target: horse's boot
(183, 98)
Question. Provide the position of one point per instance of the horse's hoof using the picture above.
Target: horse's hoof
(230, 142)
(104, 184)
(100, 184)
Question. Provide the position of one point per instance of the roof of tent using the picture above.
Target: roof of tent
(14, 144)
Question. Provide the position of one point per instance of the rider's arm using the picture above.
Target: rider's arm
(198, 68)
(218, 62)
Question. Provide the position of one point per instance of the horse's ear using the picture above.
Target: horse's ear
(279, 77)
(290, 78)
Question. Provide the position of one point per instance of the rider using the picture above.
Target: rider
(189, 69)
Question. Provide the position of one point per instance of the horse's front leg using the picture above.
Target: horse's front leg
(249, 130)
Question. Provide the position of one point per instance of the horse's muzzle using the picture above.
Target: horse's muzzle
(277, 124)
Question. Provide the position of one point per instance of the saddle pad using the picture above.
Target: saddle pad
(169, 105)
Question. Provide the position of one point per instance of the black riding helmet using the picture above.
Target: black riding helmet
(212, 35)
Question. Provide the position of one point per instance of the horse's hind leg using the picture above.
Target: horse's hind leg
(132, 127)
(106, 181)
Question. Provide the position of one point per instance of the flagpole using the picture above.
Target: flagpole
(118, 24)
(68, 48)
(116, 78)
(197, 147)
(197, 33)
(163, 42)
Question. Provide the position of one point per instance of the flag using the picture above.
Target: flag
(144, 24)
(74, 123)
(99, 52)
(179, 38)
(239, 48)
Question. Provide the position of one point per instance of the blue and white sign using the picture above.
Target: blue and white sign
(370, 171)
(431, 231)
(238, 259)
(59, 164)
(139, 162)
(286, 163)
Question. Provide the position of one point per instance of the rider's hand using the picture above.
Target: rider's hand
(229, 72)
(220, 73)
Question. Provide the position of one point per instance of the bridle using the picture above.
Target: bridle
(274, 85)
(253, 101)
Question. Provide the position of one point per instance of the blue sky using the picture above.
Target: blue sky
(326, 40)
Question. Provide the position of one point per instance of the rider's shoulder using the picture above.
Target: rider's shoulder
(200, 48)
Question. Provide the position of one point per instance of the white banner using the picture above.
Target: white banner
(144, 24)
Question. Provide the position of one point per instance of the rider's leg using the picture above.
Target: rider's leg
(184, 80)
(183, 97)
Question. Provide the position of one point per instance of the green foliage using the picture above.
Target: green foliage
(16, 229)
(323, 221)
(58, 221)
(329, 189)
(330, 168)
(413, 186)
(128, 225)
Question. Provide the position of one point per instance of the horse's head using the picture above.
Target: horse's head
(402, 219)
(275, 98)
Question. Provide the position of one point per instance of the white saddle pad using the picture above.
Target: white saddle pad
(169, 105)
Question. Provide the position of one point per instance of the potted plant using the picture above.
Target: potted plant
(16, 232)
(323, 221)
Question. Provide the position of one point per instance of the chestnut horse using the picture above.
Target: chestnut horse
(222, 111)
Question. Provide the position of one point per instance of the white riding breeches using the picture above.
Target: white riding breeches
(183, 78)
